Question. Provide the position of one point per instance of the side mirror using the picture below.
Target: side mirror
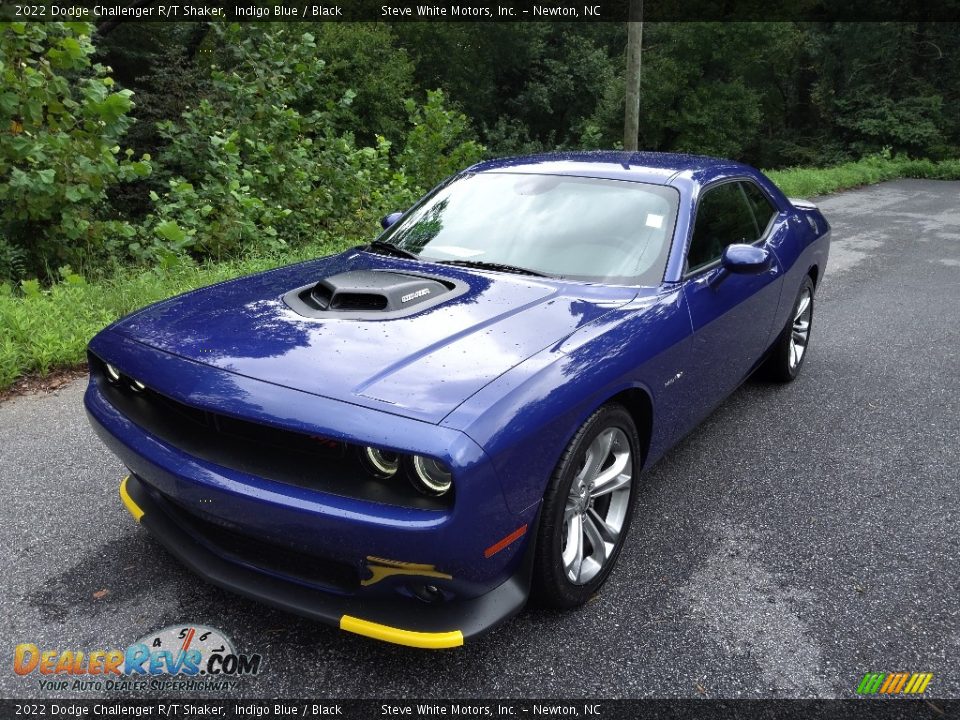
(388, 220)
(746, 259)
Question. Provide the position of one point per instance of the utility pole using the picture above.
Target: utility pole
(631, 116)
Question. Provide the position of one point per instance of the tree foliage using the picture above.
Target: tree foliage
(772, 93)
(61, 120)
(258, 137)
(262, 161)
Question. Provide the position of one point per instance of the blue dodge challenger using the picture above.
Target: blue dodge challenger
(413, 437)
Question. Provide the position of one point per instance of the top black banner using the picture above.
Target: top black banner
(113, 11)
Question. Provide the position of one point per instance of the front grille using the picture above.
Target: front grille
(285, 456)
(263, 554)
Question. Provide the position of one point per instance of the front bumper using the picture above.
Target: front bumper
(404, 621)
(321, 554)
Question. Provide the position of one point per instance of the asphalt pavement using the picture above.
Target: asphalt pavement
(800, 537)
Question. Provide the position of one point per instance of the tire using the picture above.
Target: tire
(790, 349)
(597, 520)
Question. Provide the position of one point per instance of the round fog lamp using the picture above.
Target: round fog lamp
(430, 477)
(137, 385)
(113, 375)
(381, 463)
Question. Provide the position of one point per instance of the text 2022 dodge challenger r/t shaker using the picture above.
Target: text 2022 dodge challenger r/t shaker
(412, 437)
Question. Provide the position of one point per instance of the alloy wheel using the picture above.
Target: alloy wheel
(597, 506)
(800, 332)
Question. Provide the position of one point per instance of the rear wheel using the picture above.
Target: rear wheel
(587, 509)
(790, 349)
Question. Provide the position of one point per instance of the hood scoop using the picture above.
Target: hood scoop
(372, 294)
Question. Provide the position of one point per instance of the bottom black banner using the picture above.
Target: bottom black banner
(581, 708)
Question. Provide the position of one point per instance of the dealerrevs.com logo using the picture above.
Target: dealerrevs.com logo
(178, 657)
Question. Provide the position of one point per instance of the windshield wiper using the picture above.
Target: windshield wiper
(481, 265)
(388, 248)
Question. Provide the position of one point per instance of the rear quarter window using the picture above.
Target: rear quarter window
(763, 209)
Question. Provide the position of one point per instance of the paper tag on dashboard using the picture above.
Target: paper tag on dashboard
(654, 221)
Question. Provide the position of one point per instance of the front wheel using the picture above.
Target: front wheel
(587, 509)
(790, 349)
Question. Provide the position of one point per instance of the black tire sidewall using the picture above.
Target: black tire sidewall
(550, 584)
(780, 368)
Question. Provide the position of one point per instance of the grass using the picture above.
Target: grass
(808, 182)
(48, 329)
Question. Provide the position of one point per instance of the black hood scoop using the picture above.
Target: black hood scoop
(372, 294)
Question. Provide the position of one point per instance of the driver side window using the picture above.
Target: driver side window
(723, 218)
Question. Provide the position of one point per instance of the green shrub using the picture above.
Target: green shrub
(438, 144)
(60, 125)
(13, 261)
(362, 62)
(260, 165)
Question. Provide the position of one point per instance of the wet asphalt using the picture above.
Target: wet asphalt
(800, 537)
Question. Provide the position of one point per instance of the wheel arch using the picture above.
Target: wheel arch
(814, 274)
(640, 406)
(550, 586)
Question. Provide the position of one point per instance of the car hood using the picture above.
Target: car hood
(422, 364)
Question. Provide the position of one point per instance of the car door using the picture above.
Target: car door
(731, 314)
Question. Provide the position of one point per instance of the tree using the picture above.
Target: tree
(263, 161)
(527, 85)
(61, 122)
(631, 120)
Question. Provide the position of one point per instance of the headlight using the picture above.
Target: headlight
(381, 463)
(113, 375)
(137, 386)
(430, 477)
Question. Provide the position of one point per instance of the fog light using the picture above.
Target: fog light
(113, 375)
(381, 463)
(430, 477)
(137, 386)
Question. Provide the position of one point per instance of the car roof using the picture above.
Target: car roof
(650, 167)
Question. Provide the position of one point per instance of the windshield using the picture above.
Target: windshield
(576, 228)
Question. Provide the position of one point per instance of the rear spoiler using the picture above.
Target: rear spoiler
(802, 204)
